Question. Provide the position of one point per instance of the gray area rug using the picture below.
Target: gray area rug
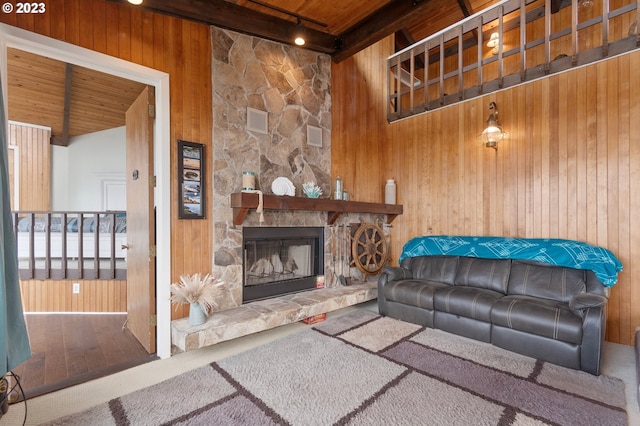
(363, 369)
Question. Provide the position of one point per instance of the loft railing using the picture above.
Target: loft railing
(70, 245)
(527, 39)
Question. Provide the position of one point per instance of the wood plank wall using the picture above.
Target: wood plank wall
(178, 47)
(569, 168)
(58, 296)
(35, 180)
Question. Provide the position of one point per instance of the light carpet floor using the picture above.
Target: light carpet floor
(618, 361)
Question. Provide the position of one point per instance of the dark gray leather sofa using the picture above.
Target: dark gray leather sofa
(547, 312)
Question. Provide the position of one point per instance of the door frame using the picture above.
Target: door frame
(35, 43)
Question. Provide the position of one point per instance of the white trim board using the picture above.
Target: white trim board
(113, 191)
(56, 49)
(34, 126)
(15, 150)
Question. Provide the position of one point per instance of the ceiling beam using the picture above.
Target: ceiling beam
(241, 19)
(63, 139)
(386, 21)
(465, 7)
(404, 39)
(556, 5)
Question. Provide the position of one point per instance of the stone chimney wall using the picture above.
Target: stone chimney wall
(293, 86)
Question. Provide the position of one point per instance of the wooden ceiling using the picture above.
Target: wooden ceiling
(339, 28)
(72, 100)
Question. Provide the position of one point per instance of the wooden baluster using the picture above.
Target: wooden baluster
(605, 28)
(47, 246)
(80, 245)
(426, 76)
(547, 33)
(64, 265)
(442, 69)
(96, 245)
(480, 50)
(523, 40)
(460, 65)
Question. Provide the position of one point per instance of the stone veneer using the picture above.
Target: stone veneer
(293, 86)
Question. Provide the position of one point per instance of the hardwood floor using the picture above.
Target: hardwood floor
(68, 349)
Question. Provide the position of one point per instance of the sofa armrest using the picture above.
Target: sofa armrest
(593, 330)
(582, 301)
(388, 274)
(394, 273)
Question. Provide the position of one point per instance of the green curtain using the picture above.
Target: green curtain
(14, 340)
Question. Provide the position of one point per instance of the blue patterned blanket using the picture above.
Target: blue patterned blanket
(568, 253)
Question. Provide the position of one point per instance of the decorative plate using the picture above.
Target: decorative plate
(283, 186)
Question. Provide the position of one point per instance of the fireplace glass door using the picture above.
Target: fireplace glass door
(281, 260)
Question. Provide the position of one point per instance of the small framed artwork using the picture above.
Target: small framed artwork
(191, 177)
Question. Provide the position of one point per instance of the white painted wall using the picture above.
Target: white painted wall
(76, 169)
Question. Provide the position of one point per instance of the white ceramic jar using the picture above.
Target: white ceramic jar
(390, 192)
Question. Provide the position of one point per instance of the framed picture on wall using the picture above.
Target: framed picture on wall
(191, 178)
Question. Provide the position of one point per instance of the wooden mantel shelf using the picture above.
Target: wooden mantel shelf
(242, 202)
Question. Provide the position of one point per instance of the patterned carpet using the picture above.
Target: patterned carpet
(363, 369)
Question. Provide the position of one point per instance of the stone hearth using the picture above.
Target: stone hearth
(266, 314)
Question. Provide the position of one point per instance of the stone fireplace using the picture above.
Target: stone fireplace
(292, 86)
(281, 260)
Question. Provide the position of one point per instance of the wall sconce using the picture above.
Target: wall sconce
(494, 43)
(493, 133)
(135, 2)
(299, 34)
(584, 5)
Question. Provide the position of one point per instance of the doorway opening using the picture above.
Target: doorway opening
(11, 37)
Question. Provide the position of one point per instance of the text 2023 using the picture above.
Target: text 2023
(30, 7)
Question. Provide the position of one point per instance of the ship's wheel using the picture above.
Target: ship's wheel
(369, 249)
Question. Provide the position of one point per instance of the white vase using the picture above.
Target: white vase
(196, 314)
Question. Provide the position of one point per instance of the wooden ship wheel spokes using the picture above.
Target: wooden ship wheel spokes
(369, 249)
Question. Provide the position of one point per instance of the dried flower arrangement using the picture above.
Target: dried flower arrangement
(196, 289)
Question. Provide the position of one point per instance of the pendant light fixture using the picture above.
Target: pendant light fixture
(299, 34)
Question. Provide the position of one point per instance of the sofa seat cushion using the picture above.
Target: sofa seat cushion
(418, 293)
(543, 317)
(469, 302)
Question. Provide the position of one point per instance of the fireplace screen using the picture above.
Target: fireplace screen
(281, 260)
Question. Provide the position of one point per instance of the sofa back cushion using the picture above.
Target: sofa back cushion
(433, 268)
(492, 274)
(548, 282)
